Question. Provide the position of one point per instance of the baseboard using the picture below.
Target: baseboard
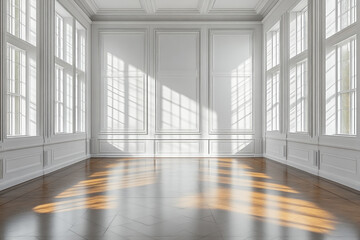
(172, 156)
(275, 159)
(16, 181)
(63, 165)
(331, 177)
(340, 180)
(302, 168)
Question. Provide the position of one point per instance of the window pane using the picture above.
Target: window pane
(339, 15)
(59, 36)
(298, 97)
(346, 86)
(273, 47)
(63, 34)
(59, 99)
(341, 89)
(273, 102)
(80, 102)
(16, 91)
(69, 102)
(298, 29)
(80, 47)
(21, 19)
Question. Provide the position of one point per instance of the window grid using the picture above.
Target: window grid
(298, 31)
(17, 97)
(298, 97)
(21, 84)
(273, 79)
(273, 48)
(71, 82)
(298, 68)
(340, 14)
(341, 89)
(273, 101)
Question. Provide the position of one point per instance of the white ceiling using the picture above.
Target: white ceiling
(172, 9)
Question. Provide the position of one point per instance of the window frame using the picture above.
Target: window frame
(270, 72)
(32, 51)
(73, 71)
(332, 42)
(293, 61)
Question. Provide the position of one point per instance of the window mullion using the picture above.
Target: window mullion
(74, 94)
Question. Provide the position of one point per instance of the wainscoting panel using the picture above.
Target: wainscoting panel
(57, 156)
(125, 147)
(303, 156)
(276, 150)
(21, 165)
(340, 165)
(232, 147)
(179, 147)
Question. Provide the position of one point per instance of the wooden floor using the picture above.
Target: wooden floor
(179, 199)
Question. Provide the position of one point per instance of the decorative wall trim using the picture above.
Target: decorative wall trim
(144, 76)
(179, 76)
(1, 169)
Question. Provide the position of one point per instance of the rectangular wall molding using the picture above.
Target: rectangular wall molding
(198, 97)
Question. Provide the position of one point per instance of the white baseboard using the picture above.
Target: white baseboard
(63, 165)
(16, 181)
(172, 156)
(343, 181)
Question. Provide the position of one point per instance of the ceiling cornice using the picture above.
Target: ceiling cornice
(149, 11)
(264, 6)
(88, 6)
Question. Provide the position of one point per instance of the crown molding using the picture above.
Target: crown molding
(89, 7)
(176, 18)
(263, 7)
(149, 11)
(122, 11)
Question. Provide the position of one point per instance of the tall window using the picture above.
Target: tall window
(70, 59)
(341, 68)
(273, 78)
(298, 62)
(21, 83)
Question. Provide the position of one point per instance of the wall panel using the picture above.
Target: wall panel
(124, 82)
(197, 95)
(231, 82)
(177, 82)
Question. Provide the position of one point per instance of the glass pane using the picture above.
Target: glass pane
(341, 89)
(273, 47)
(298, 29)
(59, 100)
(339, 15)
(21, 19)
(80, 47)
(16, 91)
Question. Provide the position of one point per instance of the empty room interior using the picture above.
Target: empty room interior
(179, 120)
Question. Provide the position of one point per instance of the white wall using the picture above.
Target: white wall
(176, 89)
(336, 158)
(22, 159)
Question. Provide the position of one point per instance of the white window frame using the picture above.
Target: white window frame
(297, 58)
(273, 83)
(71, 67)
(30, 49)
(331, 42)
